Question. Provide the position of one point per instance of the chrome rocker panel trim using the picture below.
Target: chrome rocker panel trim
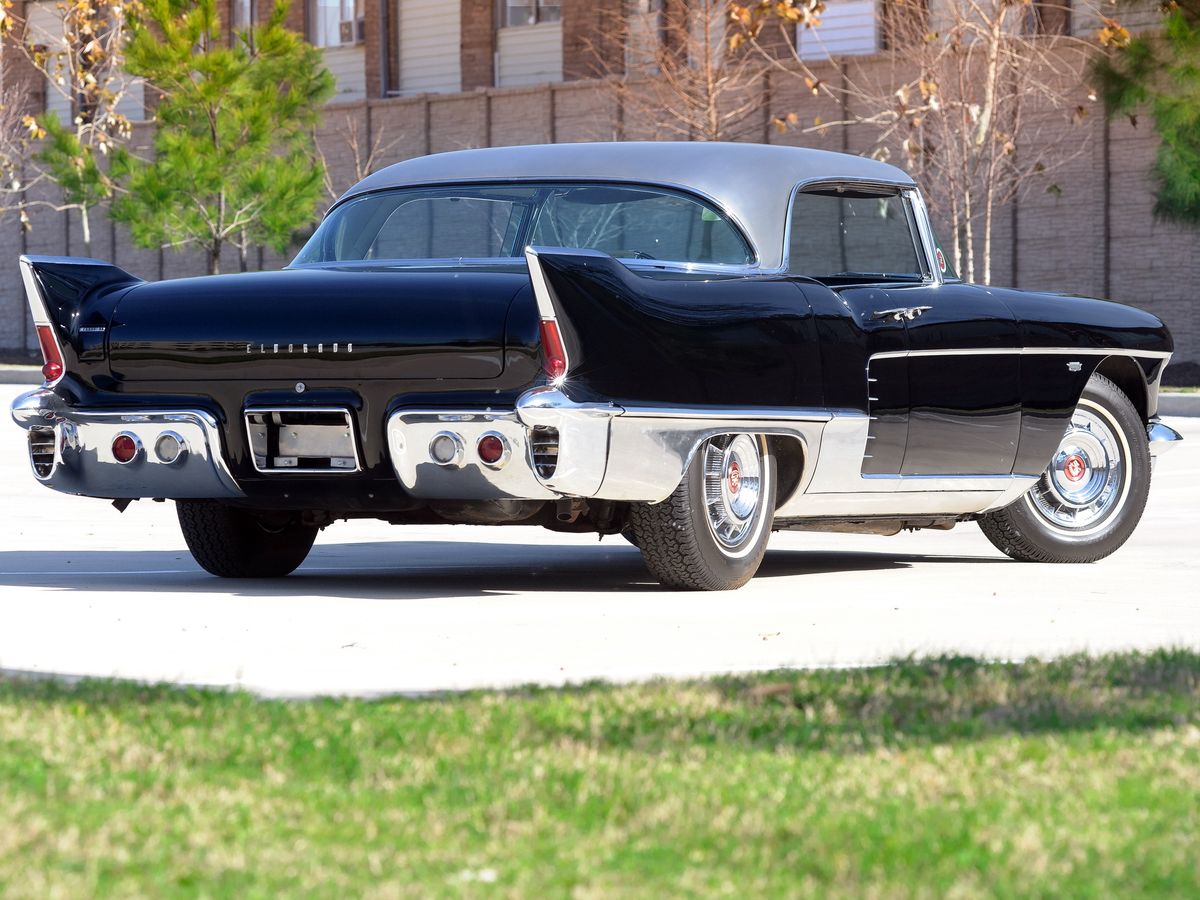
(83, 460)
(655, 446)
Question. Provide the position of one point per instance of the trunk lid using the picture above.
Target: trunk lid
(316, 323)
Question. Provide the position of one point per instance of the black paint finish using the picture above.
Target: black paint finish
(468, 337)
(722, 341)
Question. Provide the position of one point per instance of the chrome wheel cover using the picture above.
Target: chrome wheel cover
(733, 490)
(1088, 480)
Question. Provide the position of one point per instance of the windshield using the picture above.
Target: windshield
(497, 222)
(853, 235)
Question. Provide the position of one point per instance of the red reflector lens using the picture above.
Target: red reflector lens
(124, 448)
(491, 449)
(552, 347)
(53, 368)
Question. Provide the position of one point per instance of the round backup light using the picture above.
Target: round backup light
(126, 447)
(169, 447)
(493, 450)
(446, 449)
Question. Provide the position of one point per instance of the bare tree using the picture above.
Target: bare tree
(80, 54)
(14, 128)
(954, 94)
(678, 77)
(365, 158)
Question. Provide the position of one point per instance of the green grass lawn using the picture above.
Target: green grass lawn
(935, 778)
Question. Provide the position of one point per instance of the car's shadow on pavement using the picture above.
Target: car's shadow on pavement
(412, 569)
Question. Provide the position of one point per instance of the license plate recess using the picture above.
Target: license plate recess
(302, 440)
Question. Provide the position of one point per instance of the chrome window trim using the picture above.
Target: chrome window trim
(634, 264)
(904, 189)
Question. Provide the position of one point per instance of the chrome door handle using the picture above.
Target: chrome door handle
(901, 314)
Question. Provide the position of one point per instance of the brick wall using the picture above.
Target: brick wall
(478, 44)
(1089, 234)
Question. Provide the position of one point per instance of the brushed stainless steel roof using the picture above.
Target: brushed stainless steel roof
(751, 183)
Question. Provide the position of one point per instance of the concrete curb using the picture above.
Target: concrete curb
(20, 375)
(1171, 404)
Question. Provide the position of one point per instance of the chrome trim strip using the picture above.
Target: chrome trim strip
(33, 291)
(730, 414)
(1026, 351)
(542, 292)
(40, 311)
(925, 230)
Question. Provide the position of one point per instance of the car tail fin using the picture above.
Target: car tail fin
(558, 273)
(63, 294)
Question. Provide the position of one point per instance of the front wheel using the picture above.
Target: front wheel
(712, 532)
(235, 543)
(1090, 499)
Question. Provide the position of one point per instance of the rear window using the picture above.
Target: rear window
(848, 234)
(486, 222)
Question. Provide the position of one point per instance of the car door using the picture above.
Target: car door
(934, 363)
(963, 381)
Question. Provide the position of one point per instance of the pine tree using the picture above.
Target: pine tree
(1162, 70)
(234, 155)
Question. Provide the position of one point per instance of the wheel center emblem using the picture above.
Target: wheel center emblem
(1075, 468)
(735, 477)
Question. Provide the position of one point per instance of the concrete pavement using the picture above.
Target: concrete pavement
(378, 609)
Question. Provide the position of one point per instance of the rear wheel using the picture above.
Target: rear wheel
(1090, 499)
(235, 543)
(712, 532)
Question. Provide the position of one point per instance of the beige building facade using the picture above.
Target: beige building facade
(419, 76)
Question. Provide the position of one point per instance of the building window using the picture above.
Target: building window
(241, 14)
(529, 12)
(1049, 17)
(334, 23)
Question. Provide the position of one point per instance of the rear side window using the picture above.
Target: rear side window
(499, 221)
(848, 234)
(639, 224)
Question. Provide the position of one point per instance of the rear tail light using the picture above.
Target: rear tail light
(493, 450)
(552, 347)
(126, 447)
(52, 369)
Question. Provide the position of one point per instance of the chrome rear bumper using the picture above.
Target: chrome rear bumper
(71, 450)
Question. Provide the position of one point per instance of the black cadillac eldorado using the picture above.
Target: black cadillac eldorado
(692, 345)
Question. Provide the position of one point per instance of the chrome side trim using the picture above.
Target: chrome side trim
(84, 463)
(1027, 351)
(1162, 437)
